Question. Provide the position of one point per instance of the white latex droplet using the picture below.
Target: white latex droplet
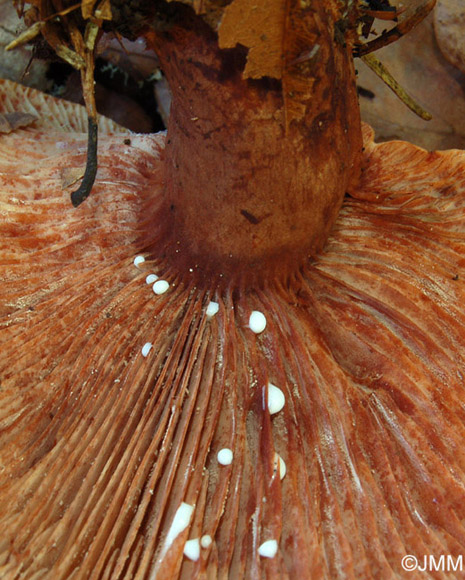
(281, 465)
(276, 399)
(268, 549)
(151, 278)
(205, 541)
(257, 322)
(192, 549)
(225, 456)
(181, 520)
(212, 309)
(138, 260)
(161, 286)
(146, 348)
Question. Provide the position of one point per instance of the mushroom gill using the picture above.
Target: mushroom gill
(115, 401)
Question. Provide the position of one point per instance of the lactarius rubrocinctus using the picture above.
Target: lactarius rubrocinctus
(168, 410)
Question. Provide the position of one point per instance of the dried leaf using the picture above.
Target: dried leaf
(52, 114)
(14, 63)
(71, 57)
(87, 8)
(210, 10)
(449, 25)
(410, 19)
(70, 175)
(53, 34)
(418, 65)
(26, 36)
(259, 26)
(103, 10)
(91, 34)
(11, 121)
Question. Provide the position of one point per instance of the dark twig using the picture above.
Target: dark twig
(410, 20)
(78, 196)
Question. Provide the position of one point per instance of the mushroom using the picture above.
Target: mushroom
(109, 448)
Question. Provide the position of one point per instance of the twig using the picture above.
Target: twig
(378, 68)
(83, 192)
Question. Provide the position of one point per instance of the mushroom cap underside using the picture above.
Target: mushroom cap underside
(102, 445)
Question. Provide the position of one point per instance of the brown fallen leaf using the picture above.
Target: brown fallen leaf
(87, 8)
(418, 65)
(449, 26)
(51, 114)
(17, 64)
(71, 175)
(11, 121)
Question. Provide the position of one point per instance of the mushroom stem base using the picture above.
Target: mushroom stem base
(249, 194)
